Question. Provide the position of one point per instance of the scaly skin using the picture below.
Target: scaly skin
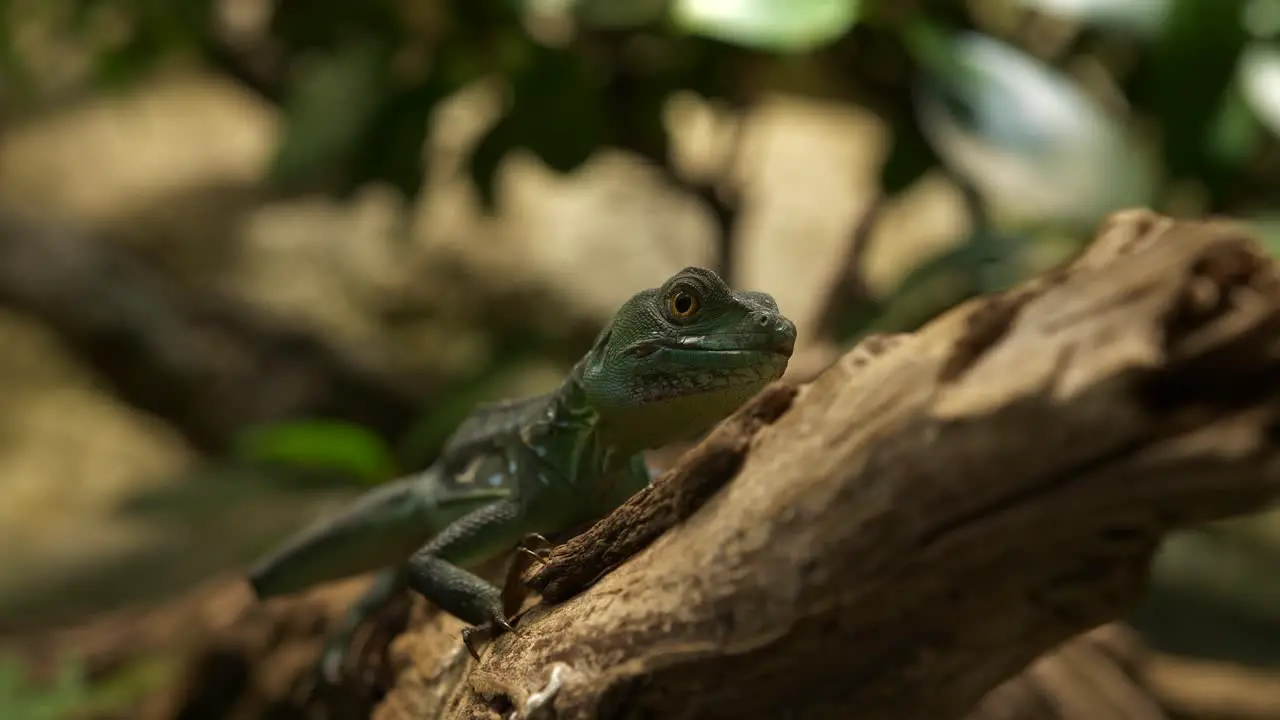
(674, 361)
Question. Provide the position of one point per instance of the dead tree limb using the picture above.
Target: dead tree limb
(204, 364)
(922, 522)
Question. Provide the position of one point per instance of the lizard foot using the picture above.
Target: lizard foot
(535, 547)
(333, 658)
(331, 662)
(476, 634)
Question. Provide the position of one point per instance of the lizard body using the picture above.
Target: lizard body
(672, 362)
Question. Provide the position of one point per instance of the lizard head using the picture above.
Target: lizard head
(677, 359)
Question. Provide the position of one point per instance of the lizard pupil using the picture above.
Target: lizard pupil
(682, 303)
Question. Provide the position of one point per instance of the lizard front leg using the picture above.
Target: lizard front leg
(434, 570)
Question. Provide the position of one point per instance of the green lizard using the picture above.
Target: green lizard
(673, 361)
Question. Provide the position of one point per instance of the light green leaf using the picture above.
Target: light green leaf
(1260, 82)
(1267, 231)
(319, 445)
(1034, 145)
(773, 25)
(1235, 135)
(21, 698)
(1142, 17)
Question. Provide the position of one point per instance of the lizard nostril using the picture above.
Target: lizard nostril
(762, 319)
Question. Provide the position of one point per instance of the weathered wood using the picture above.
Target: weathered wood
(922, 523)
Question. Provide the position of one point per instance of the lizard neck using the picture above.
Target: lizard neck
(573, 435)
(616, 431)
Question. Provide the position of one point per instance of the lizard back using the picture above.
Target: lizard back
(489, 426)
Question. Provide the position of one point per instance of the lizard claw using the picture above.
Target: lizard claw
(533, 539)
(333, 657)
(331, 666)
(476, 634)
(535, 547)
(538, 556)
(472, 636)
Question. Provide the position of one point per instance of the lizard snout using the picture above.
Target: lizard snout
(782, 331)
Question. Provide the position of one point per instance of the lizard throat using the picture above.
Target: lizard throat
(673, 407)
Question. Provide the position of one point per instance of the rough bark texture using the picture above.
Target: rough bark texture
(202, 363)
(923, 522)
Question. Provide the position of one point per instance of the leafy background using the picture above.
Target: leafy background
(459, 193)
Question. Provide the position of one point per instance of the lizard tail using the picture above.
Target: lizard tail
(380, 529)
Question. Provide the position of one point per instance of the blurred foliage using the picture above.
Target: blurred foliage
(1053, 112)
(351, 450)
(21, 698)
(70, 693)
(358, 81)
(1048, 113)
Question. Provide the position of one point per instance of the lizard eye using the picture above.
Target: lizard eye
(682, 304)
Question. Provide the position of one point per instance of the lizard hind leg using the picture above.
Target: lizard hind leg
(384, 587)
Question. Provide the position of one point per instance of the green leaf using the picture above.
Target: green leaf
(320, 445)
(1142, 17)
(557, 112)
(395, 151)
(771, 25)
(21, 698)
(910, 157)
(121, 66)
(1184, 77)
(486, 158)
(303, 24)
(1026, 137)
(1259, 81)
(1267, 230)
(329, 110)
(1235, 136)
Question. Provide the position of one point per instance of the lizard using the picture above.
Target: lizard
(672, 362)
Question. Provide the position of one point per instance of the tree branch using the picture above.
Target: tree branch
(205, 365)
(931, 514)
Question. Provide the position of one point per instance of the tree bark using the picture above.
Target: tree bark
(913, 527)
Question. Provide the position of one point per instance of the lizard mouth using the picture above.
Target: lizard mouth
(708, 350)
(730, 366)
(695, 358)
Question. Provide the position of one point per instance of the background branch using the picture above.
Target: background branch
(204, 364)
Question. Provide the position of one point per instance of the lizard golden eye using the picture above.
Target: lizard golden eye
(682, 305)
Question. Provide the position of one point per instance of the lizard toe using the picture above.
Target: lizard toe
(473, 637)
(537, 556)
(535, 541)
